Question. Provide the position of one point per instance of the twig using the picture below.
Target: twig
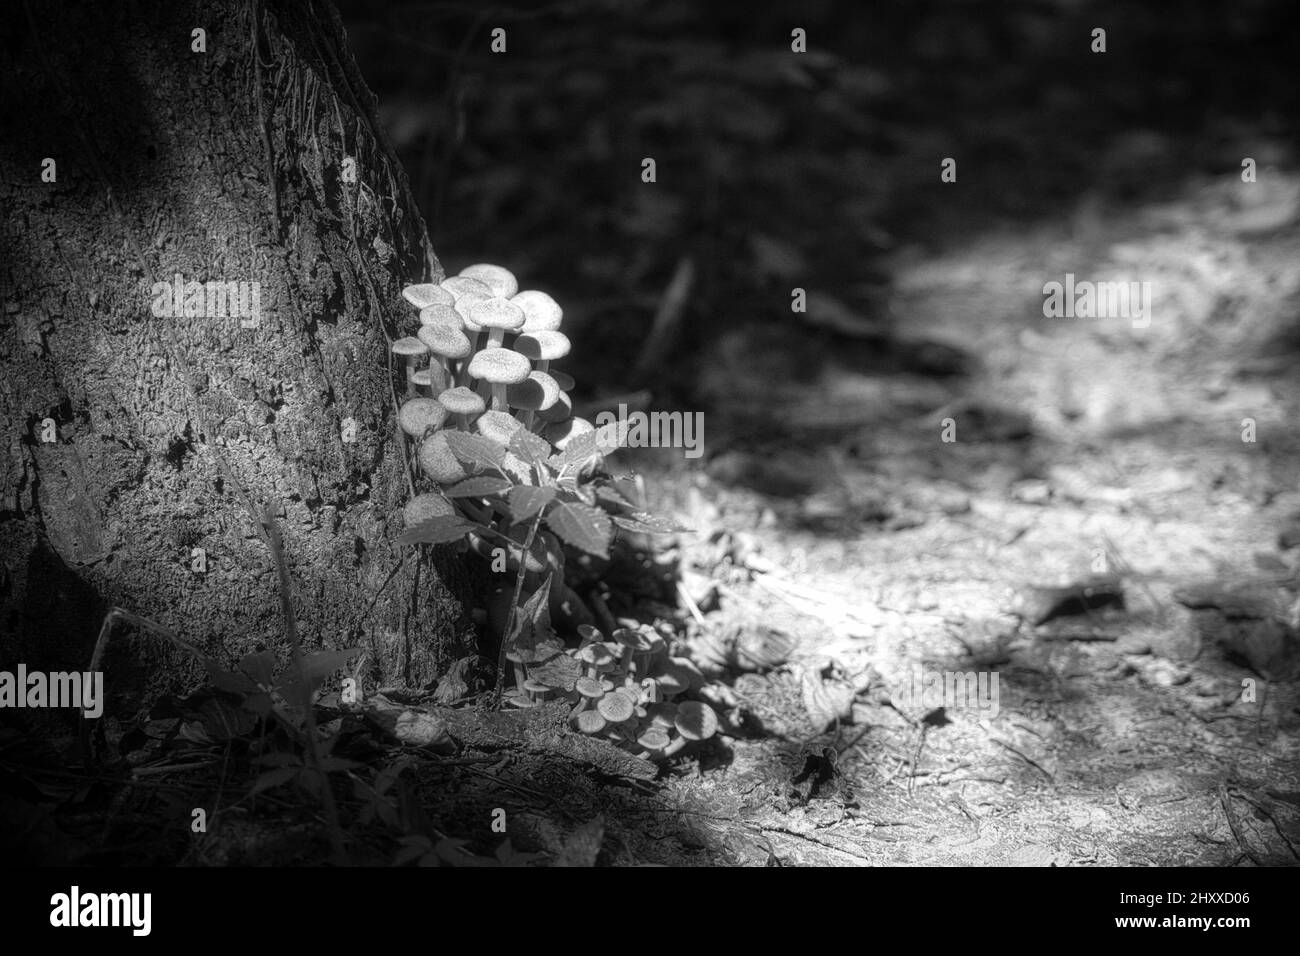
(689, 601)
(276, 545)
(508, 636)
(667, 319)
(1225, 801)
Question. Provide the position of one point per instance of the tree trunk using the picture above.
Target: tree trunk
(259, 161)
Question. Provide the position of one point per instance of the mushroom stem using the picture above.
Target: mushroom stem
(410, 371)
(673, 748)
(498, 397)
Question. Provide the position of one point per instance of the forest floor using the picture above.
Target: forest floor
(1141, 735)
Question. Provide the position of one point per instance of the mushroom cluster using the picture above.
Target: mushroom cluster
(627, 692)
(483, 354)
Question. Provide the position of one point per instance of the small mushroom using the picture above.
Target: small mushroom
(498, 316)
(562, 433)
(409, 349)
(429, 381)
(498, 426)
(662, 714)
(589, 690)
(562, 379)
(561, 411)
(499, 367)
(437, 461)
(543, 347)
(422, 295)
(426, 506)
(537, 690)
(589, 634)
(694, 721)
(516, 659)
(590, 722)
(631, 641)
(655, 741)
(537, 391)
(500, 280)
(463, 403)
(615, 707)
(541, 312)
(418, 416)
(444, 343)
(595, 656)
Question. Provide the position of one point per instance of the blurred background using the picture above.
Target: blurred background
(777, 170)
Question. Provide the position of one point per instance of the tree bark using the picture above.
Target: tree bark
(258, 161)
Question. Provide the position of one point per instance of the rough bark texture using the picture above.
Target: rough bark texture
(172, 432)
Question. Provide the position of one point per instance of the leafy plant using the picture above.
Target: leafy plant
(518, 477)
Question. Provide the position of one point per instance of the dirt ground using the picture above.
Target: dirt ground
(1083, 446)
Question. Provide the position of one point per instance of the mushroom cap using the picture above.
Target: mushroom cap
(561, 433)
(596, 654)
(448, 342)
(590, 688)
(590, 722)
(673, 679)
(426, 506)
(500, 280)
(495, 313)
(561, 411)
(662, 714)
(536, 686)
(632, 638)
(537, 391)
(437, 461)
(462, 309)
(419, 415)
(499, 366)
(541, 312)
(562, 379)
(409, 345)
(589, 633)
(498, 426)
(441, 313)
(462, 401)
(615, 707)
(546, 346)
(424, 294)
(462, 285)
(695, 721)
(433, 378)
(656, 738)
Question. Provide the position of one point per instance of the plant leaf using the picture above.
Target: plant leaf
(437, 530)
(526, 501)
(533, 449)
(475, 450)
(533, 624)
(602, 441)
(232, 681)
(260, 666)
(582, 527)
(559, 671)
(641, 522)
(479, 487)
